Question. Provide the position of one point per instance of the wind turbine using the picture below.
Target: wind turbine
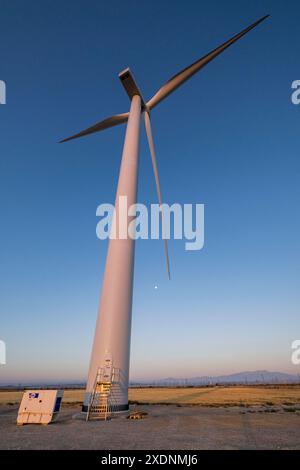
(111, 345)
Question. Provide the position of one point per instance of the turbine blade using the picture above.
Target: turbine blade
(178, 79)
(100, 126)
(155, 170)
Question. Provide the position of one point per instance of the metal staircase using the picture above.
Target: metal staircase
(104, 399)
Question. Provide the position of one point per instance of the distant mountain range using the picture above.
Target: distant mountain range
(248, 377)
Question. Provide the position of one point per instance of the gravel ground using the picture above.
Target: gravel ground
(165, 427)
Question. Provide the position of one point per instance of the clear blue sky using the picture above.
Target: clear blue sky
(229, 138)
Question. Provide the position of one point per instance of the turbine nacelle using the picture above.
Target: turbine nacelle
(131, 87)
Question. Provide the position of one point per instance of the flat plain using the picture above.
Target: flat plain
(253, 417)
(200, 396)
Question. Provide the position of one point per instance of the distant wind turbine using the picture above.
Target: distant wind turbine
(111, 347)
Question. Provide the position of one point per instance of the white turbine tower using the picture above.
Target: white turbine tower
(111, 345)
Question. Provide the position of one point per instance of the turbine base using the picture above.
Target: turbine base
(117, 409)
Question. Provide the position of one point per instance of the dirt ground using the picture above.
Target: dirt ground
(165, 427)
